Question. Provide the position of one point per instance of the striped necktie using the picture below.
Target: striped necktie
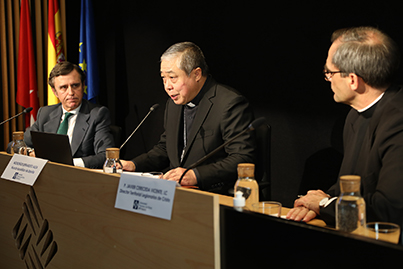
(64, 126)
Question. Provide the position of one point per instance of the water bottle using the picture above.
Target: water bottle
(18, 146)
(350, 206)
(247, 184)
(112, 164)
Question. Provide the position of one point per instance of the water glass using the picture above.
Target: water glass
(383, 231)
(271, 208)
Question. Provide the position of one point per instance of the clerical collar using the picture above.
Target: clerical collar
(199, 96)
(373, 103)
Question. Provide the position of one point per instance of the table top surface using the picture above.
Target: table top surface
(392, 238)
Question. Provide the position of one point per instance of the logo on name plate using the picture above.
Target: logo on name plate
(18, 176)
(136, 204)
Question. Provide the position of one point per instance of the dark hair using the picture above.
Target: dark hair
(367, 52)
(191, 57)
(62, 69)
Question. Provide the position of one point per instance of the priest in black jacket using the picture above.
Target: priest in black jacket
(200, 115)
(360, 66)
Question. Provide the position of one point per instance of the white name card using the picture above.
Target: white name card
(146, 195)
(23, 169)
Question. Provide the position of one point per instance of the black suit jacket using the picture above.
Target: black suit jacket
(222, 113)
(91, 135)
(379, 162)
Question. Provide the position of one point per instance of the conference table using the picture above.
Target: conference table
(68, 219)
(387, 237)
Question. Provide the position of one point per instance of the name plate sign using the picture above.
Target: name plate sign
(146, 195)
(23, 169)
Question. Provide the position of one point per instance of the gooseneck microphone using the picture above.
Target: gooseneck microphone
(255, 124)
(154, 107)
(27, 110)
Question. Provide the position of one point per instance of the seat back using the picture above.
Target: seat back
(263, 161)
(117, 134)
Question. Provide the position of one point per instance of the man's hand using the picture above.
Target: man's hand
(311, 200)
(31, 153)
(175, 174)
(301, 213)
(307, 207)
(128, 166)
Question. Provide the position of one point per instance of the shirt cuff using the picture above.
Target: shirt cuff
(78, 162)
(330, 201)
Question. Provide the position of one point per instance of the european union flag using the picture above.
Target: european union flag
(87, 51)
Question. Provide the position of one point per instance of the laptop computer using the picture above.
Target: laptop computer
(52, 147)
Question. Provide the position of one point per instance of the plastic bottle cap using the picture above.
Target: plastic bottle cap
(239, 200)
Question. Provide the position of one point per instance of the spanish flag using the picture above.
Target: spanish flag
(55, 43)
(27, 87)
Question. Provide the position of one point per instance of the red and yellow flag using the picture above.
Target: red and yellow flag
(55, 43)
(27, 87)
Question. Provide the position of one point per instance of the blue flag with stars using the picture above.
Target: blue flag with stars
(87, 51)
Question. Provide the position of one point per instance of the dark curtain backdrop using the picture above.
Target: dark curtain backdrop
(273, 53)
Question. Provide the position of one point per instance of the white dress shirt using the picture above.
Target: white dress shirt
(72, 123)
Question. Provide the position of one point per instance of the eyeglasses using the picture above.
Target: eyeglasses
(329, 74)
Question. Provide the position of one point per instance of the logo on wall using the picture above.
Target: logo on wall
(33, 236)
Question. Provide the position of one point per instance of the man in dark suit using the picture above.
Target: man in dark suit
(361, 65)
(88, 125)
(199, 116)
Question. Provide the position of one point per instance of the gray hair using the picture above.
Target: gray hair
(191, 57)
(367, 52)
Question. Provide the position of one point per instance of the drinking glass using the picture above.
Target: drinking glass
(271, 208)
(383, 231)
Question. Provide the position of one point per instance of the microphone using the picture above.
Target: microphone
(27, 110)
(154, 107)
(255, 124)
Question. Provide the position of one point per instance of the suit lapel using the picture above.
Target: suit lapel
(202, 113)
(173, 132)
(81, 127)
(55, 117)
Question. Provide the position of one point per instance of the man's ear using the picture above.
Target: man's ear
(55, 93)
(354, 81)
(198, 73)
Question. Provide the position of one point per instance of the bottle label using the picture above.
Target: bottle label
(246, 191)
